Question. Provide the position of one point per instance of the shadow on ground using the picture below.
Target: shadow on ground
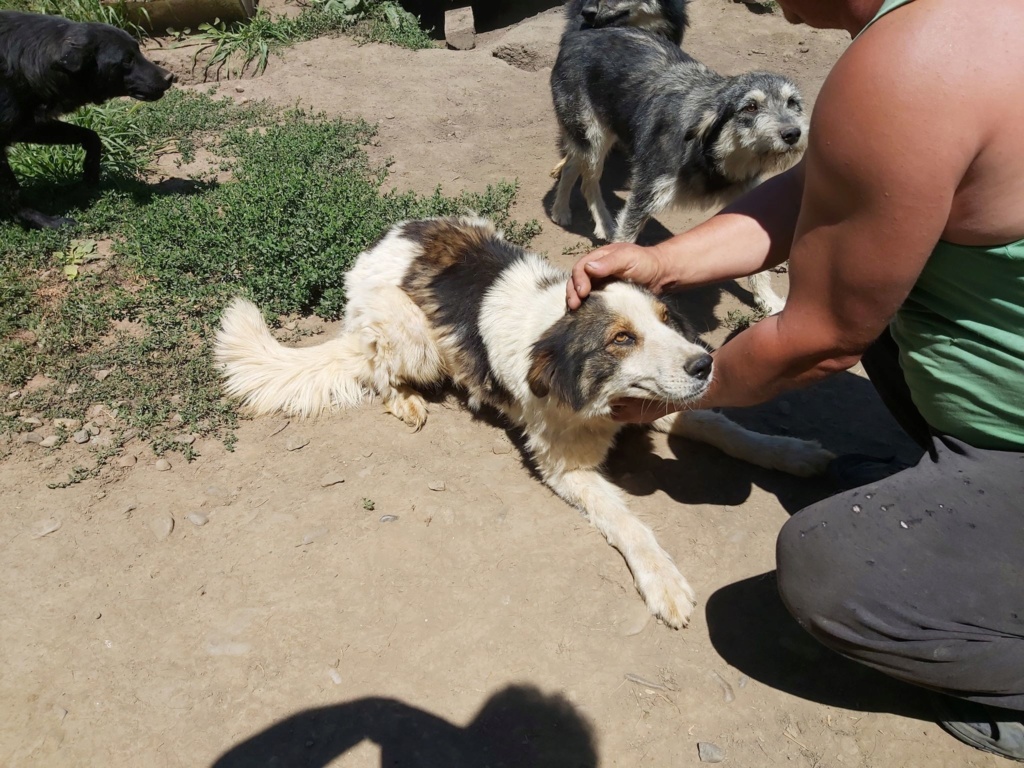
(752, 631)
(517, 726)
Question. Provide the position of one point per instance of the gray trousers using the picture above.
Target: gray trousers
(920, 575)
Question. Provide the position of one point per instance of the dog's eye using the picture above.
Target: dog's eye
(793, 104)
(623, 339)
(128, 60)
(751, 106)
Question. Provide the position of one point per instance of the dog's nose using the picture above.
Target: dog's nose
(699, 367)
(790, 135)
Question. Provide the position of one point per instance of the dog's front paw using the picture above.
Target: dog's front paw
(802, 458)
(410, 408)
(561, 216)
(668, 595)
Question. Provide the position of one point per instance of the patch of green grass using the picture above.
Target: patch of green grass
(77, 10)
(738, 319)
(231, 49)
(130, 325)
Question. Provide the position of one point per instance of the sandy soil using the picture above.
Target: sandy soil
(485, 624)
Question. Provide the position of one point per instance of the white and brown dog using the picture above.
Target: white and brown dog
(451, 300)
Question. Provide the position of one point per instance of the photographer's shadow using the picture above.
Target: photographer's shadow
(517, 726)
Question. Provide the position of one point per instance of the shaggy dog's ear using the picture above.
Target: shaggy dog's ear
(703, 127)
(542, 371)
(554, 369)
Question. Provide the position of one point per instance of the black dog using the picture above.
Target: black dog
(50, 66)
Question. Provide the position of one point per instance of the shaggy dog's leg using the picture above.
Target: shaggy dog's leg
(649, 194)
(666, 592)
(764, 296)
(561, 210)
(802, 458)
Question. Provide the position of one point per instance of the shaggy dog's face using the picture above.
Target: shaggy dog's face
(621, 343)
(764, 129)
(106, 63)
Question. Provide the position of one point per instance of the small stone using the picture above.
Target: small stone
(501, 447)
(68, 424)
(14, 395)
(367, 454)
(315, 534)
(279, 428)
(92, 428)
(709, 753)
(185, 439)
(162, 465)
(31, 437)
(32, 421)
(82, 436)
(127, 461)
(296, 443)
(804, 49)
(73, 389)
(388, 518)
(335, 676)
(436, 485)
(50, 442)
(291, 325)
(45, 527)
(197, 519)
(239, 89)
(161, 525)
(102, 374)
(389, 116)
(331, 479)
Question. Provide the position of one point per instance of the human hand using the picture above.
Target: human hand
(625, 261)
(634, 410)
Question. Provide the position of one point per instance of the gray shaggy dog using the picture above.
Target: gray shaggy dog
(667, 18)
(695, 136)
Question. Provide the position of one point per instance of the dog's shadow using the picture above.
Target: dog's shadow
(71, 197)
(518, 726)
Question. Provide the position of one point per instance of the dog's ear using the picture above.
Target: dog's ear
(554, 369)
(542, 371)
(703, 126)
(73, 53)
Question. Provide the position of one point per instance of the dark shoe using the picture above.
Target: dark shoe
(853, 470)
(990, 729)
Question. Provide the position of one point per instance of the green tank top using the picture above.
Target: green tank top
(961, 339)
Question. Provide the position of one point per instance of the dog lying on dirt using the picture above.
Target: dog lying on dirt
(451, 300)
(50, 66)
(695, 136)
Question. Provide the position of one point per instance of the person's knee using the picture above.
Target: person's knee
(810, 583)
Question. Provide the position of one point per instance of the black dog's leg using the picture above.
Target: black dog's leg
(10, 201)
(57, 132)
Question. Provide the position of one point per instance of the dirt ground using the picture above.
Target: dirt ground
(328, 605)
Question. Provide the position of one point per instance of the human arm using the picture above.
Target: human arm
(749, 236)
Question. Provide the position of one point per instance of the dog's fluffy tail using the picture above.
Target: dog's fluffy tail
(270, 377)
